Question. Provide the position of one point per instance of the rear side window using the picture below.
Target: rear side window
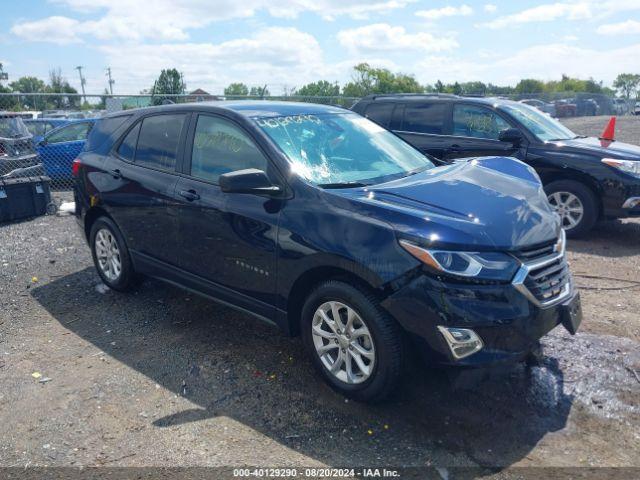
(477, 122)
(220, 147)
(103, 129)
(424, 117)
(380, 113)
(127, 149)
(158, 141)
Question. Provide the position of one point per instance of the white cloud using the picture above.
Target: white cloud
(630, 27)
(172, 19)
(559, 58)
(437, 13)
(271, 56)
(567, 10)
(490, 7)
(60, 30)
(382, 37)
(543, 13)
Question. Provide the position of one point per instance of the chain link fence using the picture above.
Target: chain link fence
(49, 130)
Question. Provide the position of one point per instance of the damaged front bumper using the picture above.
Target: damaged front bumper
(508, 325)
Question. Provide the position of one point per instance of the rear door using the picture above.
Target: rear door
(475, 131)
(425, 125)
(229, 240)
(142, 169)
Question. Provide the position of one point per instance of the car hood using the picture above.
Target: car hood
(486, 203)
(603, 148)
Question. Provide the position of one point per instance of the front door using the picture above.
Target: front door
(61, 148)
(228, 240)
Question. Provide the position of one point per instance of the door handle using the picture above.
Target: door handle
(189, 195)
(455, 148)
(117, 174)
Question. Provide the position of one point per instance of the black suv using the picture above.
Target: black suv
(585, 178)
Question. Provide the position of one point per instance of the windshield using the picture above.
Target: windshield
(341, 148)
(12, 127)
(542, 126)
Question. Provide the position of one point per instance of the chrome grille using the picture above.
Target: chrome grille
(544, 276)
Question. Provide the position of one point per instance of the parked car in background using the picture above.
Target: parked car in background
(60, 147)
(565, 108)
(586, 107)
(67, 114)
(636, 109)
(16, 146)
(320, 221)
(621, 106)
(39, 127)
(545, 107)
(585, 178)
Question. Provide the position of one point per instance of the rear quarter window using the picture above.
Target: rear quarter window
(103, 129)
(380, 113)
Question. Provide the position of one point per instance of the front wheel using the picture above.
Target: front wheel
(576, 205)
(354, 344)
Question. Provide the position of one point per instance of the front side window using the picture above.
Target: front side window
(477, 122)
(425, 118)
(71, 133)
(542, 126)
(342, 148)
(12, 127)
(220, 147)
(158, 141)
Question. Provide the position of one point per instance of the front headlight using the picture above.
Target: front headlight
(492, 266)
(627, 166)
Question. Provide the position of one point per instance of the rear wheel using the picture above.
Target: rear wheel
(354, 344)
(111, 256)
(575, 203)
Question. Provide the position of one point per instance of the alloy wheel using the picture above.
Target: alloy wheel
(569, 207)
(343, 342)
(108, 254)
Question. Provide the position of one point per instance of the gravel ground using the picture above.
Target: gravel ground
(165, 378)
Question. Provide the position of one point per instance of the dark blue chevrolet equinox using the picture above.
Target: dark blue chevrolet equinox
(320, 221)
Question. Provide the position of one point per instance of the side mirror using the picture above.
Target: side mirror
(511, 135)
(250, 180)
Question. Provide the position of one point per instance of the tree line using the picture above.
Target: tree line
(365, 80)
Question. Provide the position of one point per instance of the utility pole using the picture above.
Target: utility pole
(111, 80)
(82, 82)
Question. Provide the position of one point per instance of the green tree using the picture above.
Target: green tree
(58, 84)
(236, 89)
(439, 87)
(259, 91)
(367, 79)
(29, 85)
(627, 84)
(474, 88)
(168, 84)
(530, 85)
(321, 88)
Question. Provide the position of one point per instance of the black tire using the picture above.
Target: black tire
(387, 339)
(127, 280)
(586, 197)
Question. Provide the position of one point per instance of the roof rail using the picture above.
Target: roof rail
(373, 96)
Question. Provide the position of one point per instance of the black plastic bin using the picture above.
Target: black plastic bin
(24, 197)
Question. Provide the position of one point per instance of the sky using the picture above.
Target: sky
(285, 44)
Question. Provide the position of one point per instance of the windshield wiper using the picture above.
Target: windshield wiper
(343, 185)
(580, 136)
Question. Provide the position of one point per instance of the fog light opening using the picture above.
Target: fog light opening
(462, 342)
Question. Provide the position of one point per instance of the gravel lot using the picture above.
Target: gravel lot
(164, 378)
